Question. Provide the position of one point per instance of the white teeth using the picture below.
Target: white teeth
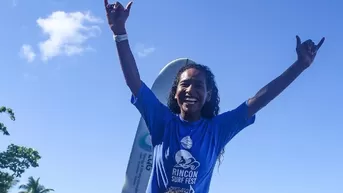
(190, 99)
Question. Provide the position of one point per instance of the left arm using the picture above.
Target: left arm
(306, 53)
(230, 123)
(274, 88)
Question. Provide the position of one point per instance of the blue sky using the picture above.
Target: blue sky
(61, 76)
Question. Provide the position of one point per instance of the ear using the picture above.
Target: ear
(209, 95)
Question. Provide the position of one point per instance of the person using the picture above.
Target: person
(188, 135)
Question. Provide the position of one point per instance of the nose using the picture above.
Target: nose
(190, 88)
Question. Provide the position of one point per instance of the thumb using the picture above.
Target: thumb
(128, 6)
(320, 43)
(298, 41)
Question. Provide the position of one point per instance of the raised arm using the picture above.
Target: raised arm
(306, 52)
(117, 16)
(155, 114)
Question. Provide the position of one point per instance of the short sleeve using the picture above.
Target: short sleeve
(154, 113)
(230, 123)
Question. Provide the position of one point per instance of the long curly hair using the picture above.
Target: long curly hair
(210, 108)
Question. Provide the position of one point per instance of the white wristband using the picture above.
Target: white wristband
(119, 38)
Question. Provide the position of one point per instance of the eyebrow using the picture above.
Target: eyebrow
(193, 80)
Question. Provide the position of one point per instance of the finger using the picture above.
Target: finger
(320, 43)
(307, 45)
(311, 47)
(128, 6)
(108, 6)
(118, 6)
(298, 41)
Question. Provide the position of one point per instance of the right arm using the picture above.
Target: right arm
(117, 16)
(154, 113)
(128, 66)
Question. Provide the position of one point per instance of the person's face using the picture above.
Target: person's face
(191, 93)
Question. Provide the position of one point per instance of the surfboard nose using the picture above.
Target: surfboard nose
(176, 64)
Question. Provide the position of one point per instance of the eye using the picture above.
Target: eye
(184, 84)
(199, 85)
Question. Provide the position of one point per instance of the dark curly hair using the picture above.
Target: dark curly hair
(210, 108)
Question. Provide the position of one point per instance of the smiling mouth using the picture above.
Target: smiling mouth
(190, 100)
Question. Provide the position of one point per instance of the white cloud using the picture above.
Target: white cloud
(143, 50)
(27, 52)
(67, 33)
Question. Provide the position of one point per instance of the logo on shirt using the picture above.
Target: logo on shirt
(181, 190)
(187, 142)
(185, 171)
(185, 160)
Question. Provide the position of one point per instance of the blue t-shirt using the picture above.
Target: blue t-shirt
(185, 153)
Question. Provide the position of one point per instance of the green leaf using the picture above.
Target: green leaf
(18, 158)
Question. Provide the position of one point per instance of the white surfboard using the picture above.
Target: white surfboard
(140, 162)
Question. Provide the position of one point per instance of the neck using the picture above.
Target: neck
(191, 117)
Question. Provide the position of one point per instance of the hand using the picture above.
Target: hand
(307, 51)
(117, 16)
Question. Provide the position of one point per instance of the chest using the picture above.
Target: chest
(189, 152)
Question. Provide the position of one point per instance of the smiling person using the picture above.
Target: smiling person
(189, 135)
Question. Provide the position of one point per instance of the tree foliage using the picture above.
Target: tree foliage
(33, 186)
(15, 160)
(10, 112)
(7, 182)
